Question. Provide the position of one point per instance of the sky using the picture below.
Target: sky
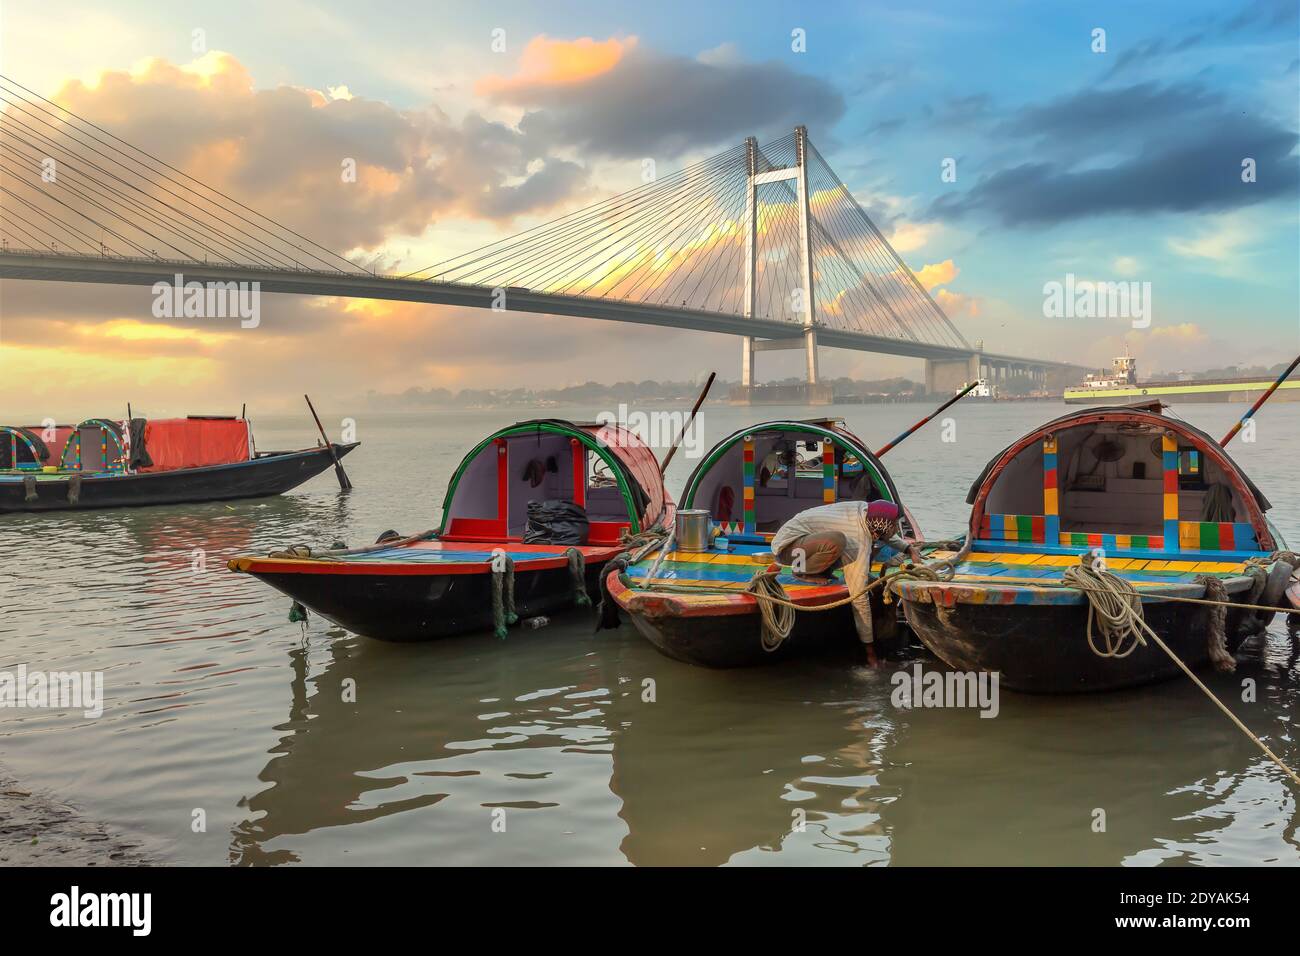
(1114, 156)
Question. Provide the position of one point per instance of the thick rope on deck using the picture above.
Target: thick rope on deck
(636, 547)
(578, 575)
(1119, 614)
(776, 611)
(1216, 629)
(1114, 610)
(503, 594)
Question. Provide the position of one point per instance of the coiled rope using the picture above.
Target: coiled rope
(1113, 603)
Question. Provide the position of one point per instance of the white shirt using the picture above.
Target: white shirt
(847, 517)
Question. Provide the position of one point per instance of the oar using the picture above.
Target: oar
(960, 395)
(1262, 399)
(344, 484)
(698, 402)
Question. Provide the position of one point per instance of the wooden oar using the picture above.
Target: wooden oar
(698, 402)
(960, 395)
(344, 484)
(1262, 399)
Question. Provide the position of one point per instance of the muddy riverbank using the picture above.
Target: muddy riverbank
(39, 830)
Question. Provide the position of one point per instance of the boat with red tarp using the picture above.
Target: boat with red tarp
(536, 508)
(693, 606)
(1156, 500)
(107, 463)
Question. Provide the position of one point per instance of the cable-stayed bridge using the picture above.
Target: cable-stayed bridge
(761, 241)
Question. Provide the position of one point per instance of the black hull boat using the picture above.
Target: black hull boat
(1144, 497)
(495, 539)
(1043, 648)
(108, 464)
(693, 605)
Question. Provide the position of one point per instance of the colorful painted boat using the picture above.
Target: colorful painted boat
(692, 605)
(441, 582)
(1160, 500)
(103, 463)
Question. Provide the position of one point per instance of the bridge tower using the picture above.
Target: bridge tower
(813, 392)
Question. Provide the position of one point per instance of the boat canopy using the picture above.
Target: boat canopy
(1120, 478)
(604, 468)
(96, 445)
(166, 444)
(756, 479)
(23, 449)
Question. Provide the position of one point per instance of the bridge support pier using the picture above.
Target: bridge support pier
(945, 376)
(812, 392)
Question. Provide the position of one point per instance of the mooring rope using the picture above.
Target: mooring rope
(1119, 614)
(578, 575)
(503, 594)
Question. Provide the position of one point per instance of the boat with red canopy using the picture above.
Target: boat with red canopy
(532, 514)
(1140, 494)
(107, 463)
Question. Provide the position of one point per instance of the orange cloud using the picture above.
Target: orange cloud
(937, 274)
(548, 62)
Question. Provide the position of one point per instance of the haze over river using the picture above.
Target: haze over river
(214, 701)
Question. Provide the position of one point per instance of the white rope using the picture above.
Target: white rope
(1118, 612)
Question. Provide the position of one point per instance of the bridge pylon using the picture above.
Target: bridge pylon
(812, 392)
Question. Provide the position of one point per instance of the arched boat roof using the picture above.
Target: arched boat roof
(834, 431)
(631, 461)
(1146, 412)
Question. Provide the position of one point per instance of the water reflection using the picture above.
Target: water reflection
(215, 700)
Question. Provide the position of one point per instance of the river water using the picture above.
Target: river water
(227, 735)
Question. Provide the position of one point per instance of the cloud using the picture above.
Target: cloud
(282, 151)
(548, 64)
(1142, 149)
(1219, 239)
(937, 274)
(620, 100)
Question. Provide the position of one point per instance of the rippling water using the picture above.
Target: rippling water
(216, 703)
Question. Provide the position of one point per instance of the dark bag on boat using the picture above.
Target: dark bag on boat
(556, 522)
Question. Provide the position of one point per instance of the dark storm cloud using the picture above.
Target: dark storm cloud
(650, 104)
(1140, 149)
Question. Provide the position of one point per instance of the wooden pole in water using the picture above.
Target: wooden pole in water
(1262, 399)
(960, 395)
(342, 475)
(698, 402)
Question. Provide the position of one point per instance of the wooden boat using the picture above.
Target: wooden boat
(103, 463)
(1161, 501)
(743, 485)
(441, 582)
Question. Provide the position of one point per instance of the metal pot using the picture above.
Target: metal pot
(692, 530)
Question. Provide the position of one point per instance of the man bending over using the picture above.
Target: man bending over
(817, 541)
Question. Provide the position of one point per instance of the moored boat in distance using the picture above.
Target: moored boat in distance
(693, 606)
(1163, 506)
(1120, 386)
(104, 463)
(534, 511)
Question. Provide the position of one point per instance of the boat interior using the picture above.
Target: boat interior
(1110, 478)
(490, 502)
(791, 472)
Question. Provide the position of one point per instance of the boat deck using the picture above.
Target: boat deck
(711, 572)
(1028, 577)
(428, 555)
